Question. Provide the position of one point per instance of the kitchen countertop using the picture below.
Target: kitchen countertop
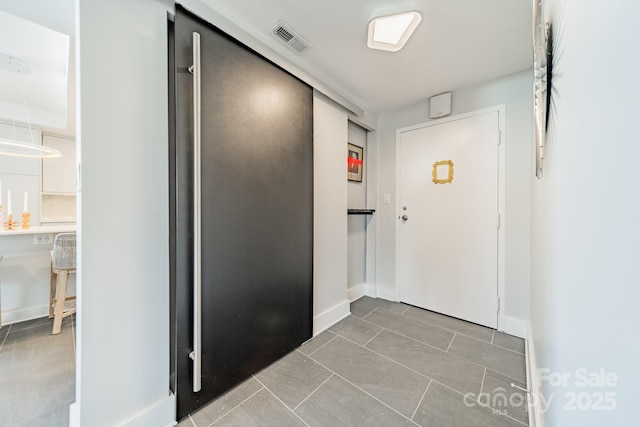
(71, 228)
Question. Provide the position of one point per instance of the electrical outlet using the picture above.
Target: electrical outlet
(43, 239)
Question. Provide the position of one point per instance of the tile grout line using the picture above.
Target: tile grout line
(489, 406)
(34, 323)
(192, 422)
(405, 310)
(496, 345)
(311, 394)
(509, 350)
(373, 337)
(421, 400)
(5, 337)
(474, 362)
(477, 400)
(493, 336)
(332, 338)
(417, 372)
(452, 338)
(422, 343)
(499, 348)
(235, 407)
(433, 325)
(505, 348)
(372, 311)
(284, 404)
(507, 376)
(406, 336)
(446, 328)
(364, 391)
(381, 355)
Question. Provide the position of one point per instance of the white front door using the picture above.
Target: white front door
(448, 239)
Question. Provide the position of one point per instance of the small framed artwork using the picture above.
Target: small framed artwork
(443, 172)
(355, 162)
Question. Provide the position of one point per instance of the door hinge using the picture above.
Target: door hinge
(499, 136)
(498, 304)
(498, 221)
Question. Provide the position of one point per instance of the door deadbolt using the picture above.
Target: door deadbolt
(404, 217)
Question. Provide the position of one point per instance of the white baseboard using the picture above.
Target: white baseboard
(161, 413)
(374, 291)
(386, 293)
(74, 415)
(370, 290)
(356, 292)
(330, 317)
(516, 327)
(24, 314)
(535, 414)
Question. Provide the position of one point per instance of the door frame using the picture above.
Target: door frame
(501, 110)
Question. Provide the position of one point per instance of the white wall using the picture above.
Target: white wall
(357, 224)
(123, 326)
(586, 213)
(515, 92)
(330, 303)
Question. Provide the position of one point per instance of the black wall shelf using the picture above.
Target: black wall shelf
(360, 211)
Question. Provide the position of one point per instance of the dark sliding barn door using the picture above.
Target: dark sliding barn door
(256, 211)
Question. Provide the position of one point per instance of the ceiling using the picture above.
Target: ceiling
(40, 35)
(459, 43)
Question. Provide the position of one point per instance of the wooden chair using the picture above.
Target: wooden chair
(63, 263)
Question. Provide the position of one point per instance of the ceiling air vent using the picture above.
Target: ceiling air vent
(285, 35)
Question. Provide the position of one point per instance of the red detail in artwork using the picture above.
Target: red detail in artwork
(351, 161)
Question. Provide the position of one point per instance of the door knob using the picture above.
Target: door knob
(404, 217)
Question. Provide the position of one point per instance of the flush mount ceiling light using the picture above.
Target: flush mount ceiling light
(391, 32)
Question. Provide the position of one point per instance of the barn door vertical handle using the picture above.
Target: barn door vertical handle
(196, 354)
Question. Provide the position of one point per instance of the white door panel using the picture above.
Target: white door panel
(448, 246)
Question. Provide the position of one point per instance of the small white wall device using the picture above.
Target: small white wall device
(440, 105)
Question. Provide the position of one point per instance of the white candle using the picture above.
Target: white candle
(9, 202)
(25, 209)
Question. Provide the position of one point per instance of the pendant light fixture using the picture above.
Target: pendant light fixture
(13, 147)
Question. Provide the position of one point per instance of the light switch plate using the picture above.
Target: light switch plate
(43, 239)
(387, 198)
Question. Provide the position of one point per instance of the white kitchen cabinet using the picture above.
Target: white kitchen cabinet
(59, 173)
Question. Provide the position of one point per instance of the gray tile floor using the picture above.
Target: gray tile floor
(387, 364)
(37, 373)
